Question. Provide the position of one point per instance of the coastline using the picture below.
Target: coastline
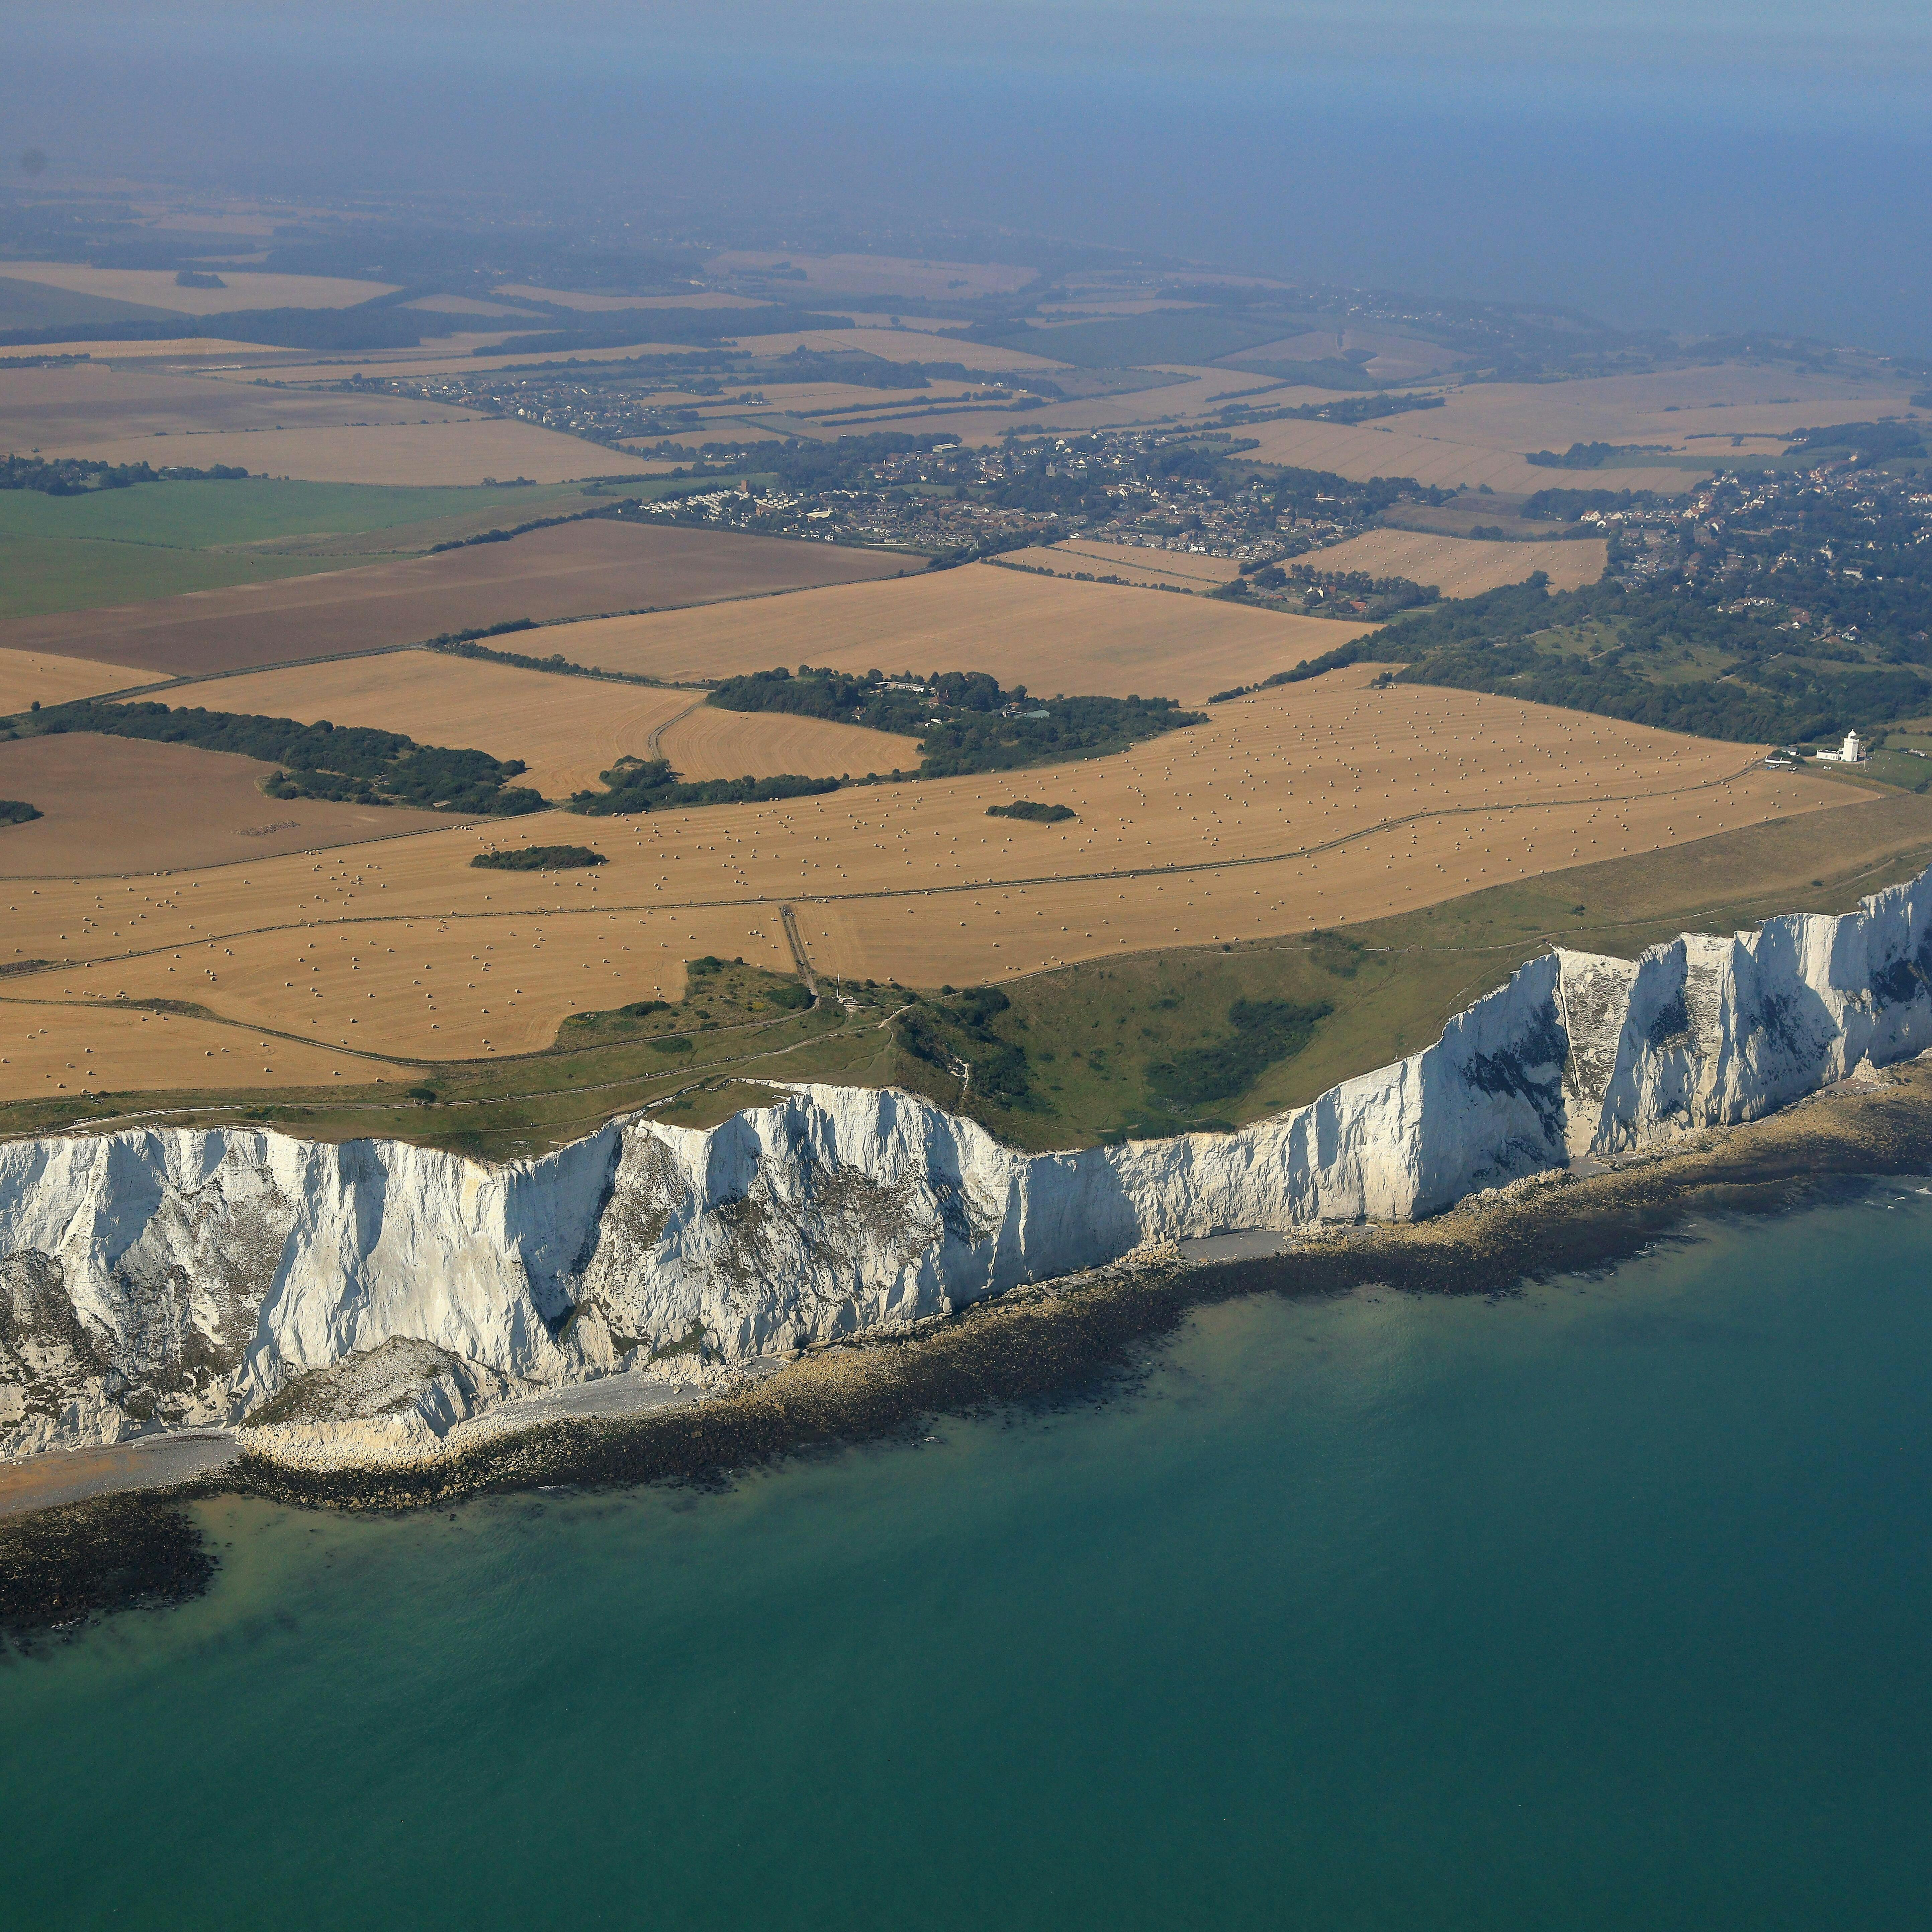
(1077, 1338)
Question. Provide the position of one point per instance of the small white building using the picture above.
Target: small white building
(1851, 752)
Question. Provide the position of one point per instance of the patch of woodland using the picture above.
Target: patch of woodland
(351, 764)
(965, 721)
(79, 476)
(538, 859)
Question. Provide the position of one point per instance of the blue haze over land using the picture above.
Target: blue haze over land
(1709, 166)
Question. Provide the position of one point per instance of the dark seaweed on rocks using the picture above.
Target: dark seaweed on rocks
(60, 1567)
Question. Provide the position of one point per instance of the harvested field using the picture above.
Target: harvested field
(880, 274)
(187, 349)
(574, 568)
(567, 729)
(152, 414)
(1050, 636)
(1392, 358)
(28, 676)
(156, 288)
(899, 345)
(114, 806)
(454, 451)
(1320, 804)
(706, 743)
(1463, 566)
(1668, 407)
(1137, 564)
(48, 1047)
(602, 304)
(1431, 455)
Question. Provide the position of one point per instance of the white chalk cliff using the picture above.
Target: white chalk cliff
(188, 1276)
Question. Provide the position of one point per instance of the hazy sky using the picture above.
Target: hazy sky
(1706, 164)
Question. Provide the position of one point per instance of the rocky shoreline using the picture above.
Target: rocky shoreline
(1074, 1338)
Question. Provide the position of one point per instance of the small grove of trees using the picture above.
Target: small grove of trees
(349, 764)
(76, 476)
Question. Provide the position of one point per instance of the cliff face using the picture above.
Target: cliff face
(188, 1276)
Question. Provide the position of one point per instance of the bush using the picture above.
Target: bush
(16, 811)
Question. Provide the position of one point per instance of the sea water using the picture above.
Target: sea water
(1603, 1605)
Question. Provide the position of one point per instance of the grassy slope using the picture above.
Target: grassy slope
(1391, 983)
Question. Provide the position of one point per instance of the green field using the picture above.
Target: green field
(160, 539)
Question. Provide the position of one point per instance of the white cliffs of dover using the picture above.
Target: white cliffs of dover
(186, 1276)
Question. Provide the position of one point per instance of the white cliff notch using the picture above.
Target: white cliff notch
(190, 1277)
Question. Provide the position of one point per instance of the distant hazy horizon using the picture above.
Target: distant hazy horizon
(1737, 171)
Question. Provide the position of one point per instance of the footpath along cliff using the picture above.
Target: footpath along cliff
(192, 1276)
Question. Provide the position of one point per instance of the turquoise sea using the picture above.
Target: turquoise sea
(1607, 1606)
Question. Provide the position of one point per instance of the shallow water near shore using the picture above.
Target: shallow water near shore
(1603, 1606)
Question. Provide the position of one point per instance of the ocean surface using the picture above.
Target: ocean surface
(1606, 1606)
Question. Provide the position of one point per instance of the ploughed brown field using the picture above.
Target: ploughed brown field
(1049, 635)
(1463, 566)
(85, 408)
(574, 568)
(566, 730)
(121, 804)
(28, 676)
(1320, 804)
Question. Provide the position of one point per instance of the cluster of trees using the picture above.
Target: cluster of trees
(16, 811)
(616, 327)
(869, 700)
(952, 1036)
(76, 476)
(1771, 686)
(1035, 813)
(649, 784)
(351, 763)
(1374, 598)
(1590, 455)
(1073, 727)
(1864, 443)
(1357, 409)
(539, 858)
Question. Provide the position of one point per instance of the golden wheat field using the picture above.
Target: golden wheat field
(1049, 635)
(1315, 804)
(1430, 452)
(566, 730)
(899, 345)
(156, 288)
(30, 677)
(1670, 408)
(1136, 563)
(706, 743)
(470, 450)
(192, 352)
(138, 806)
(1463, 566)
